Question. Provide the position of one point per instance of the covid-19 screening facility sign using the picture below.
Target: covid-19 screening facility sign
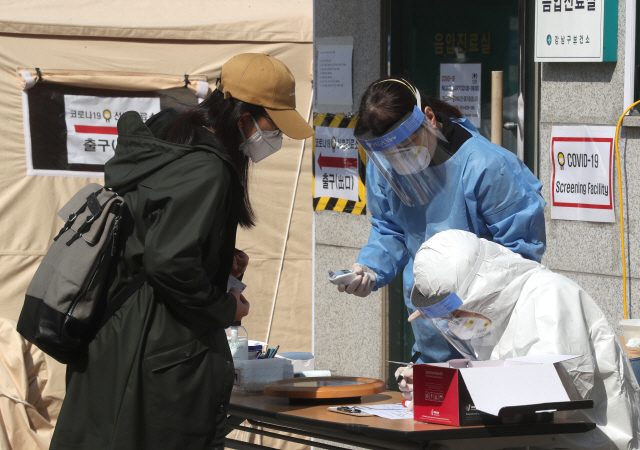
(582, 173)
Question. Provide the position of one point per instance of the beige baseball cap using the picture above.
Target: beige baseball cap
(263, 80)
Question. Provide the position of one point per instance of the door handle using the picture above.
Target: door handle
(510, 126)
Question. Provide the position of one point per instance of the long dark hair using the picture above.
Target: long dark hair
(386, 102)
(222, 116)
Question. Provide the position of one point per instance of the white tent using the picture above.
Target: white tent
(152, 45)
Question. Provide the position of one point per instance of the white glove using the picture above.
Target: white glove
(363, 284)
(406, 384)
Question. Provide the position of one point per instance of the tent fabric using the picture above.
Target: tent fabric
(28, 204)
(209, 20)
(123, 45)
(126, 81)
(31, 392)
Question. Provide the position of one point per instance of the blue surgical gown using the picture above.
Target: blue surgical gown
(487, 191)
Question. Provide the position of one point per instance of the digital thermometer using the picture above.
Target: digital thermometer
(342, 276)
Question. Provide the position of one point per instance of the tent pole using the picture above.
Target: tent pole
(286, 237)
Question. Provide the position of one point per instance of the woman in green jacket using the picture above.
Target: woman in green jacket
(159, 374)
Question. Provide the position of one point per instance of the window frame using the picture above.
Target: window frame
(630, 53)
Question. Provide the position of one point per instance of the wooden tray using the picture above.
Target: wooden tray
(325, 387)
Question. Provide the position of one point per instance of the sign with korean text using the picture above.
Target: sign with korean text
(91, 124)
(336, 163)
(333, 75)
(582, 173)
(339, 165)
(576, 30)
(460, 87)
(462, 43)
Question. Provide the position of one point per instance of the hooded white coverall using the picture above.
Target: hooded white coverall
(535, 311)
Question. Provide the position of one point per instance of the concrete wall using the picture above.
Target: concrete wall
(349, 332)
(588, 252)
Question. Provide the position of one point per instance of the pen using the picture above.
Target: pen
(414, 358)
(275, 350)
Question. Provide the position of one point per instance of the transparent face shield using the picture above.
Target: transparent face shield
(405, 156)
(468, 332)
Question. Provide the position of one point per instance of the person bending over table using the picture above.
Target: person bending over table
(508, 307)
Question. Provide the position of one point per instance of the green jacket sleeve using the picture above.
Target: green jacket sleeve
(186, 210)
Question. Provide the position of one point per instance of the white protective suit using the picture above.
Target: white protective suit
(535, 311)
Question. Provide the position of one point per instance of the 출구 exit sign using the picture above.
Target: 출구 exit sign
(576, 30)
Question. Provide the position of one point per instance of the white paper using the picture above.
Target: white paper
(233, 282)
(384, 407)
(493, 388)
(582, 173)
(333, 73)
(460, 87)
(393, 411)
(92, 124)
(336, 161)
(386, 411)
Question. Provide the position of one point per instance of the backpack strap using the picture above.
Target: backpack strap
(122, 296)
(137, 281)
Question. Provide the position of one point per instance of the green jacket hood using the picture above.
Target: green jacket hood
(138, 153)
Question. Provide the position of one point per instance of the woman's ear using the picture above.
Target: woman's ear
(244, 118)
(431, 116)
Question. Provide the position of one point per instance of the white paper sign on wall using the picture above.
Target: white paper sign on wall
(460, 87)
(91, 123)
(576, 30)
(336, 160)
(582, 173)
(333, 74)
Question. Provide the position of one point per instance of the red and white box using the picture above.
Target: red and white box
(463, 392)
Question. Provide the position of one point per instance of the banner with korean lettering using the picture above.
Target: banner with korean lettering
(71, 131)
(339, 166)
(91, 123)
(582, 173)
(576, 30)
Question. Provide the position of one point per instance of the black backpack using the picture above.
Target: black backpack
(65, 303)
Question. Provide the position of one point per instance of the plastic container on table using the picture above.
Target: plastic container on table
(238, 339)
(301, 360)
(252, 376)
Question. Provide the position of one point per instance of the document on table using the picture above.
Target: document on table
(386, 411)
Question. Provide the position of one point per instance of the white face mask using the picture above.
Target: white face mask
(467, 328)
(261, 144)
(410, 160)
